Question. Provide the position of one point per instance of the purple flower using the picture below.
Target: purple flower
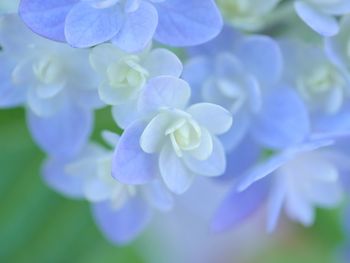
(172, 140)
(55, 83)
(243, 74)
(130, 24)
(297, 180)
(121, 211)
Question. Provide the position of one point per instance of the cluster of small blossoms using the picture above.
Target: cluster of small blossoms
(265, 113)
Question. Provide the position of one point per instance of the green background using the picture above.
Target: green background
(38, 225)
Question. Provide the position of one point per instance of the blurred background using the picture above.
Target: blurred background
(39, 225)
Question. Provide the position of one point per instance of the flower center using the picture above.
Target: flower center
(322, 80)
(234, 8)
(49, 70)
(127, 73)
(185, 135)
(233, 93)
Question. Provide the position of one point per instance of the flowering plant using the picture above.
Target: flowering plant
(260, 113)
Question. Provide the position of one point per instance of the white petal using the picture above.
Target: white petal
(114, 95)
(215, 165)
(49, 91)
(322, 23)
(164, 91)
(103, 55)
(44, 107)
(205, 149)
(325, 194)
(175, 174)
(275, 203)
(299, 209)
(163, 62)
(153, 137)
(125, 114)
(213, 117)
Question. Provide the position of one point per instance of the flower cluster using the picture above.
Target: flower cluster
(265, 113)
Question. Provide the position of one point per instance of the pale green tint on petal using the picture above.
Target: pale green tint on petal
(103, 55)
(323, 86)
(205, 149)
(49, 70)
(247, 14)
(185, 134)
(114, 96)
(124, 80)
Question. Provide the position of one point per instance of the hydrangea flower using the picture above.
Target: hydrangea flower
(121, 211)
(245, 79)
(172, 140)
(322, 85)
(319, 14)
(130, 24)
(53, 80)
(298, 180)
(246, 14)
(124, 75)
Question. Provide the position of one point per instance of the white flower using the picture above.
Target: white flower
(171, 139)
(93, 168)
(309, 180)
(323, 86)
(50, 75)
(247, 14)
(124, 75)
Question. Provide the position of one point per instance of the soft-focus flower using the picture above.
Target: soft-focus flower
(53, 80)
(130, 24)
(245, 79)
(246, 14)
(321, 84)
(320, 14)
(125, 75)
(286, 150)
(173, 140)
(298, 180)
(121, 211)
